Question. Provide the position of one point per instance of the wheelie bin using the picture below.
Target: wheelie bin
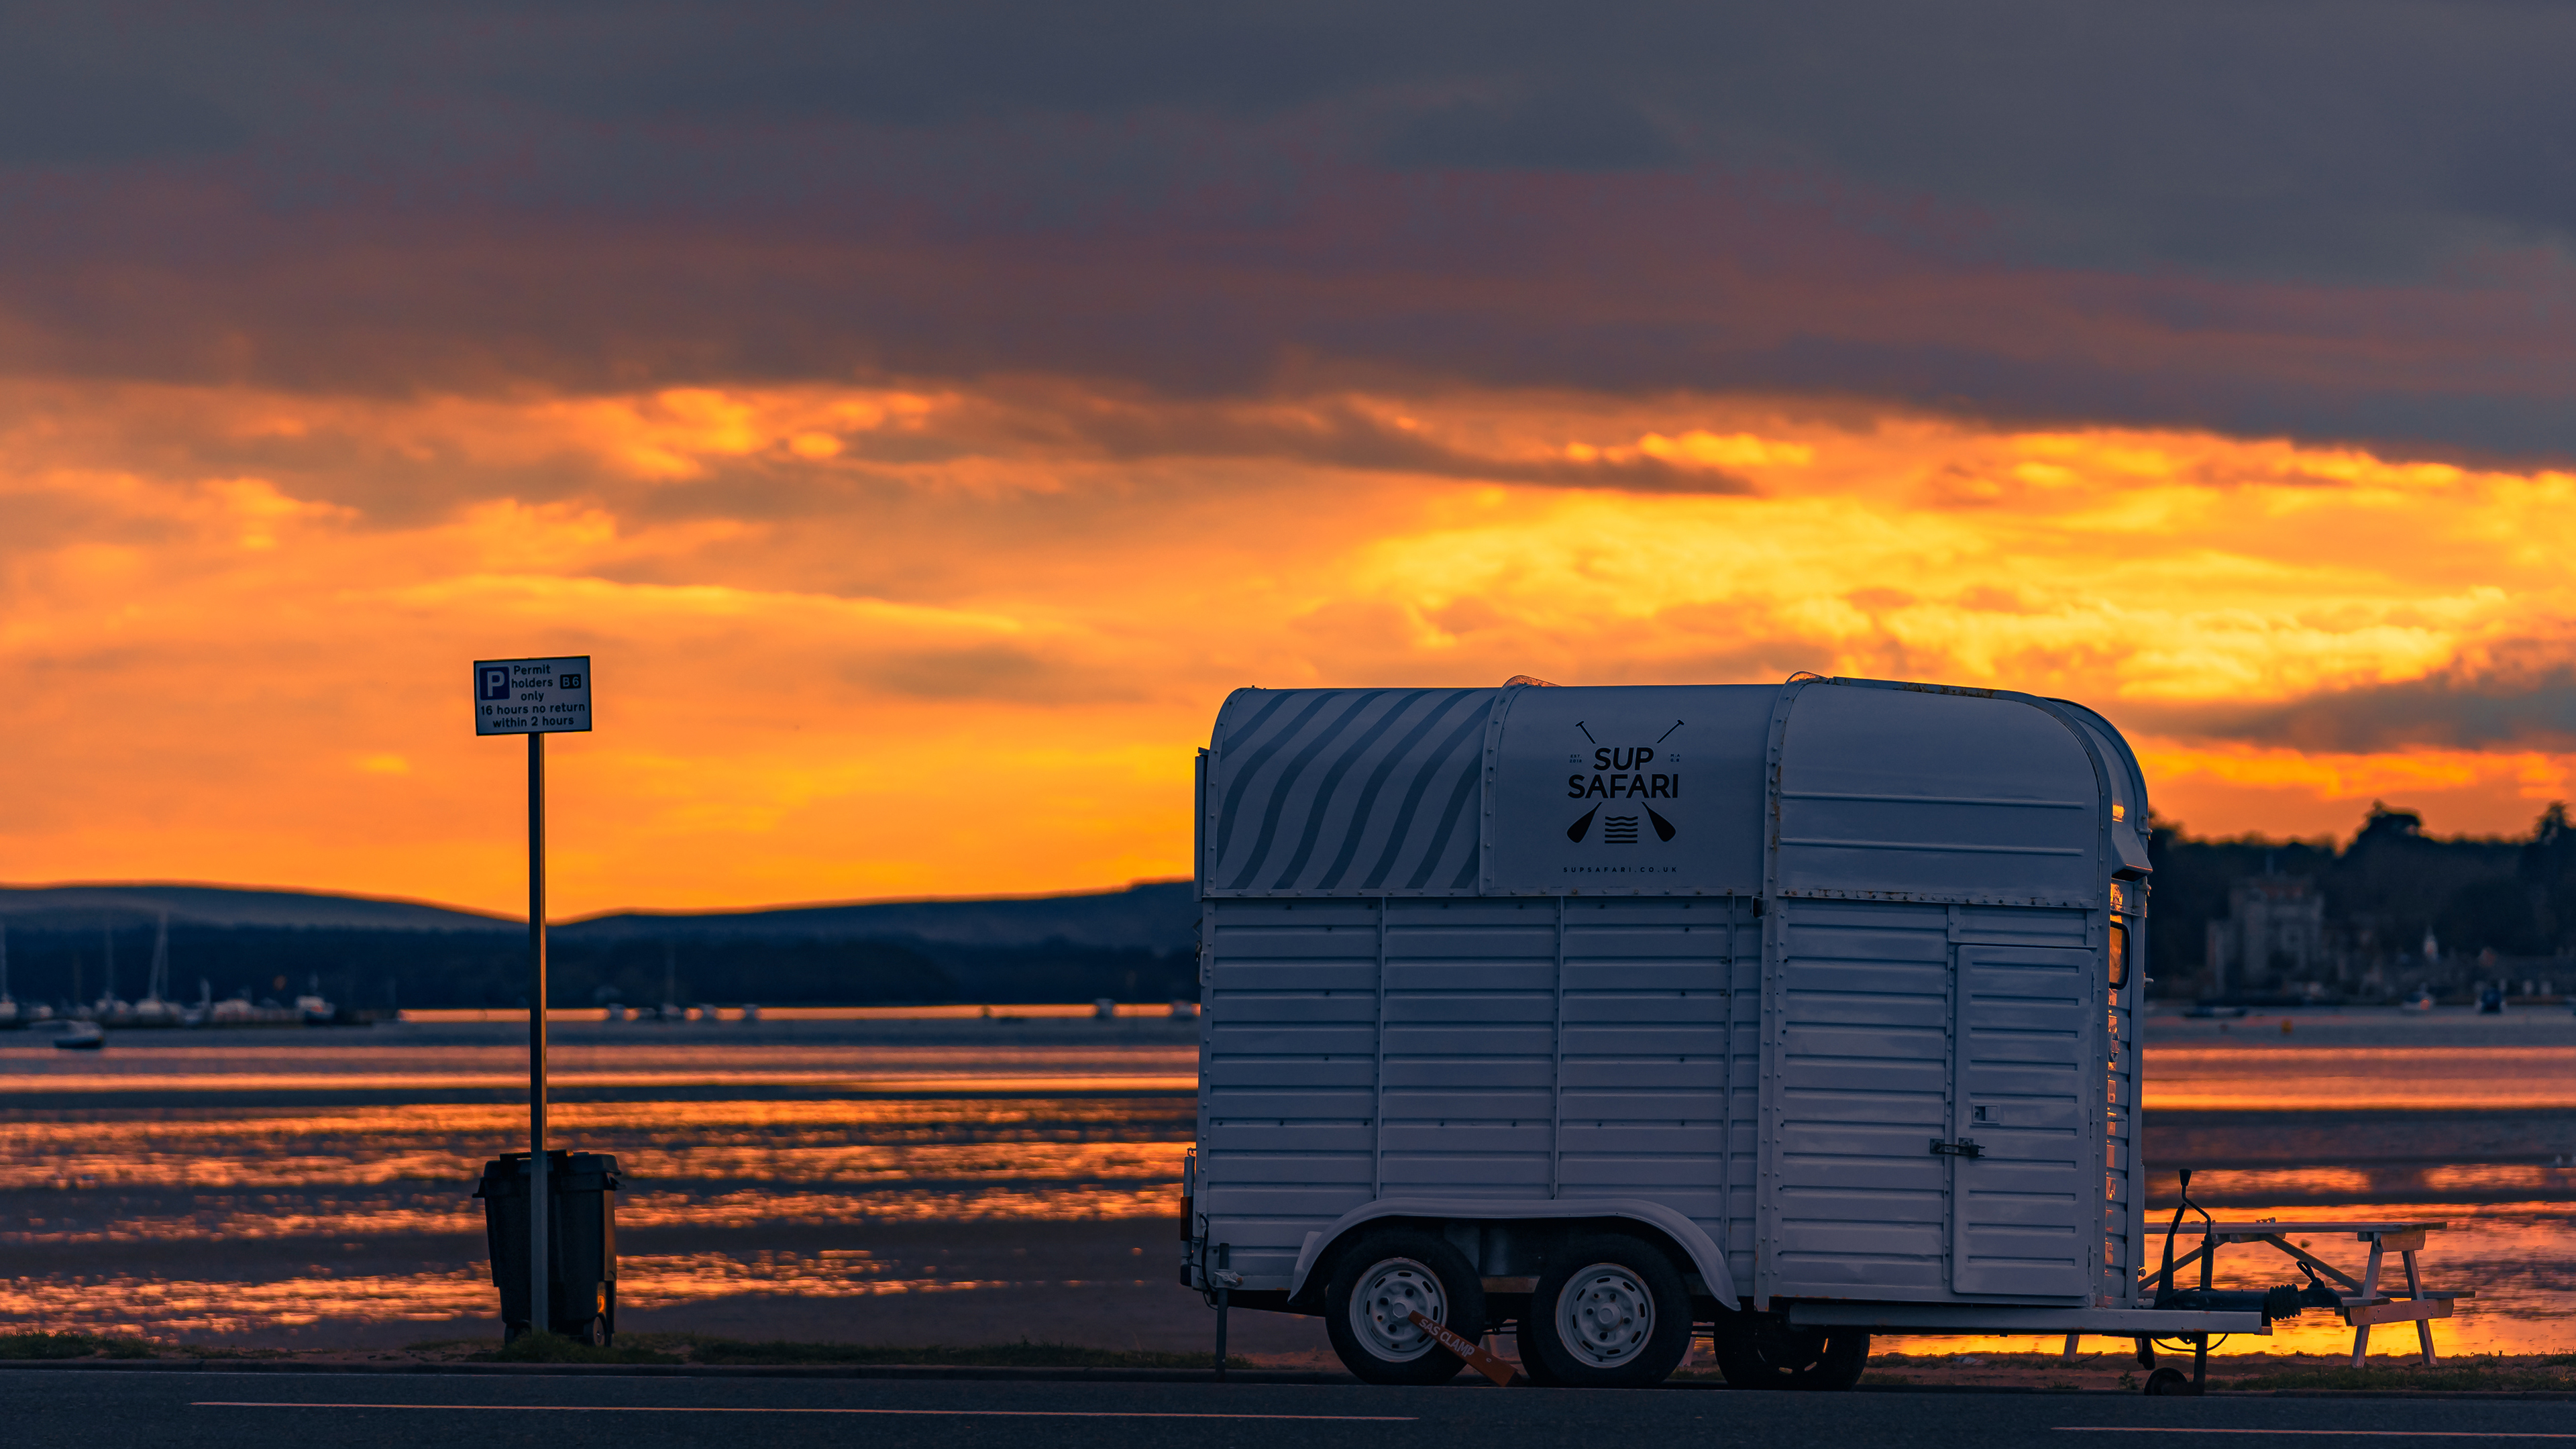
(581, 1242)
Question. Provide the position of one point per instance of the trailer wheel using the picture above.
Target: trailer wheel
(1611, 1313)
(1379, 1283)
(2170, 1380)
(1761, 1351)
(1533, 1367)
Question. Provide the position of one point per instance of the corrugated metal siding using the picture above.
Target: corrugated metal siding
(1654, 1026)
(2123, 1177)
(1914, 795)
(2022, 1210)
(1879, 1045)
(2120, 1175)
(1288, 1073)
(1470, 1044)
(1530, 1049)
(1349, 792)
(1857, 1086)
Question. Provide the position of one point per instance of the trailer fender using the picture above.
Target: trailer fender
(1693, 1240)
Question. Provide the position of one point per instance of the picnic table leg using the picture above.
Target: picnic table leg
(2415, 1291)
(2069, 1355)
(2369, 1289)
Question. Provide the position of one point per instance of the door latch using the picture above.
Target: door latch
(1961, 1148)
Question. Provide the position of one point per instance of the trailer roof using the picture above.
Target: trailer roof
(1911, 791)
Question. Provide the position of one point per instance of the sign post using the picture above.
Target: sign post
(536, 698)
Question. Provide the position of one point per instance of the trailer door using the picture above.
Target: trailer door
(2019, 1206)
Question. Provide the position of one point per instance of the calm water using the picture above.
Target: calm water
(311, 1184)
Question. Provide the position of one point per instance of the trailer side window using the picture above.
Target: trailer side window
(2119, 955)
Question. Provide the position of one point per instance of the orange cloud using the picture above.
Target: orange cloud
(858, 641)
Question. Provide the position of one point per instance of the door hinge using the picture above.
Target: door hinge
(1961, 1148)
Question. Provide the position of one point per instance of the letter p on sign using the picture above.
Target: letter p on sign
(490, 683)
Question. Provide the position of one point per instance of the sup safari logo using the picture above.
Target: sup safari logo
(1620, 779)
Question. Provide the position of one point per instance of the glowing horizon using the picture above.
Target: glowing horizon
(890, 642)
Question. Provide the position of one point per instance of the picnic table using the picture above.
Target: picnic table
(2364, 1302)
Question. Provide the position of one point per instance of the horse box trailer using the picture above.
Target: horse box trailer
(1618, 1015)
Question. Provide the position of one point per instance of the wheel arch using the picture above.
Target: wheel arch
(1687, 1239)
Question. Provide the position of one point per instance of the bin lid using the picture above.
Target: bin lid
(566, 1171)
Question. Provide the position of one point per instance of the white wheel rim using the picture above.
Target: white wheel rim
(1383, 1305)
(1605, 1317)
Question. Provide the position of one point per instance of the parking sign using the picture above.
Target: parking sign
(532, 696)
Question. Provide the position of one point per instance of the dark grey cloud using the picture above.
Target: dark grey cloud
(1337, 434)
(1566, 130)
(69, 96)
(2296, 134)
(929, 64)
(2294, 137)
(2349, 220)
(990, 671)
(2524, 699)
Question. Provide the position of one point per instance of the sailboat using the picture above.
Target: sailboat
(108, 1008)
(316, 1011)
(156, 1008)
(83, 1035)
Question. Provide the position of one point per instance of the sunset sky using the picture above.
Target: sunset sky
(925, 415)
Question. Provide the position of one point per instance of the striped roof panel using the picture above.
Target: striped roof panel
(1351, 792)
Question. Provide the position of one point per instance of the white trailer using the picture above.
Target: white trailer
(1616, 1014)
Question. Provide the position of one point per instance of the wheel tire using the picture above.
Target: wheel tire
(597, 1334)
(1378, 1281)
(2170, 1381)
(1533, 1367)
(1761, 1351)
(1610, 1312)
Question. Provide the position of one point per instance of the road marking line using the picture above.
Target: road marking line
(2338, 1433)
(694, 1409)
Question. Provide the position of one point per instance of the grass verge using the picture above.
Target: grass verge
(1023, 1354)
(673, 1348)
(2491, 1375)
(544, 1347)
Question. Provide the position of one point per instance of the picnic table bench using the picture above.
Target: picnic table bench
(2364, 1303)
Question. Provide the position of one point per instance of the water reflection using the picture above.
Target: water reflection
(445, 1064)
(163, 1307)
(2346, 1079)
(272, 1216)
(659, 1163)
(219, 1217)
(862, 1141)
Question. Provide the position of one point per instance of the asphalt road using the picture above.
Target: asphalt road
(44, 1409)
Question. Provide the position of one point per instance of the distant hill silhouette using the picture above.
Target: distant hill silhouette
(1158, 915)
(62, 906)
(86, 940)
